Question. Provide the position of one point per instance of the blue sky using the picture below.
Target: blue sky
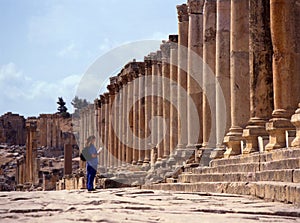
(47, 45)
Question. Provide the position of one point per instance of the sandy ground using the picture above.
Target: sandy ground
(135, 205)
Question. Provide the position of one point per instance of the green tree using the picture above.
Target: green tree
(62, 109)
(79, 103)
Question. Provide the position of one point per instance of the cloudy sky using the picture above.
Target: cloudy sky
(47, 46)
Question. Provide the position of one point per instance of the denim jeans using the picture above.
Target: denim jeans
(90, 176)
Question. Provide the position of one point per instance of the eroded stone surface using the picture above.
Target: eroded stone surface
(134, 205)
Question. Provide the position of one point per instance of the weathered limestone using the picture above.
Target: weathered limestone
(261, 85)
(31, 153)
(141, 132)
(222, 75)
(135, 109)
(174, 96)
(148, 104)
(285, 38)
(12, 129)
(67, 159)
(296, 122)
(195, 75)
(106, 136)
(239, 75)
(165, 49)
(130, 117)
(183, 27)
(209, 59)
(111, 138)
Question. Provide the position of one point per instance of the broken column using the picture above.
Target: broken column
(285, 36)
(239, 75)
(67, 159)
(261, 83)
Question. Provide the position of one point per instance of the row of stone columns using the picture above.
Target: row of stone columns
(220, 67)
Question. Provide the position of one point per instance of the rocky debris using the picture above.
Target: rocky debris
(48, 164)
(134, 205)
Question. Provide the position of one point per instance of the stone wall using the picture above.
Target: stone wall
(12, 129)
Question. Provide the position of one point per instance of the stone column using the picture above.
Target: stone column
(183, 26)
(116, 115)
(296, 122)
(209, 59)
(156, 110)
(148, 103)
(239, 75)
(165, 50)
(174, 95)
(223, 75)
(124, 117)
(107, 133)
(67, 159)
(111, 112)
(31, 152)
(195, 54)
(102, 132)
(160, 108)
(285, 36)
(135, 118)
(141, 148)
(130, 118)
(261, 85)
(120, 122)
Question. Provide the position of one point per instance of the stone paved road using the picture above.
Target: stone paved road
(134, 205)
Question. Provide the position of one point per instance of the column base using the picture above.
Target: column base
(233, 141)
(255, 129)
(276, 128)
(296, 122)
(218, 152)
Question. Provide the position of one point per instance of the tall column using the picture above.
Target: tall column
(117, 113)
(31, 152)
(135, 118)
(195, 54)
(239, 75)
(111, 112)
(209, 59)
(102, 132)
(183, 26)
(107, 133)
(285, 36)
(130, 118)
(174, 95)
(141, 149)
(223, 75)
(148, 103)
(124, 117)
(120, 122)
(261, 84)
(165, 50)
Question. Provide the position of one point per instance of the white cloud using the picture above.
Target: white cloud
(26, 96)
(69, 51)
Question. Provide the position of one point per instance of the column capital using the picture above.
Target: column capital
(195, 6)
(182, 11)
(106, 98)
(165, 50)
(97, 103)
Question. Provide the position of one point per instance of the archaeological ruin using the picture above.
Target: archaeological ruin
(215, 109)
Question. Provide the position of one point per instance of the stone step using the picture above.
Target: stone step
(290, 163)
(272, 191)
(275, 155)
(230, 168)
(287, 175)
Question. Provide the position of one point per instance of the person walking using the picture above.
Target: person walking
(91, 164)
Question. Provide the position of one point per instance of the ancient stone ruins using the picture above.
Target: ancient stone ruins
(214, 110)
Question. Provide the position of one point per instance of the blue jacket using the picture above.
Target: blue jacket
(94, 161)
